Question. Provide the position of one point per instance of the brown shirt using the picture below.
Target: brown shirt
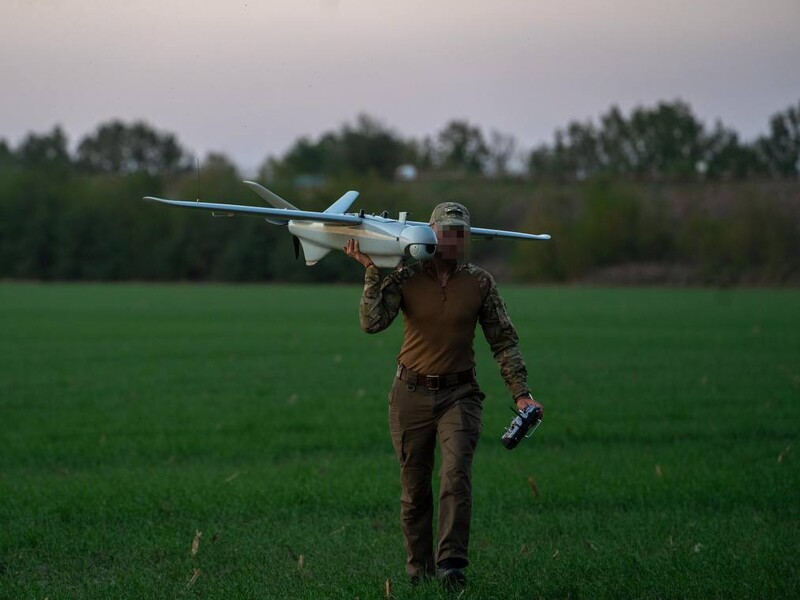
(439, 321)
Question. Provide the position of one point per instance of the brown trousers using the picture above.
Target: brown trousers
(417, 417)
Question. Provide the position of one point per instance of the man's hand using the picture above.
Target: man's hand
(351, 249)
(527, 400)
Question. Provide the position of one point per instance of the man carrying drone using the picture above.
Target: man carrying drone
(435, 393)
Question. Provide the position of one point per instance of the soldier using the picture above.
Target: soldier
(435, 393)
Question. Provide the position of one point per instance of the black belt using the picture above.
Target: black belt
(435, 382)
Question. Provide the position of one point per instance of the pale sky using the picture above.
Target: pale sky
(248, 77)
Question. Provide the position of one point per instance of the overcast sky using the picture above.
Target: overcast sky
(247, 78)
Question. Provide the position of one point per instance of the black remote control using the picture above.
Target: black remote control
(522, 425)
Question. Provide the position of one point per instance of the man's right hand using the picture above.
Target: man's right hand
(351, 249)
(523, 401)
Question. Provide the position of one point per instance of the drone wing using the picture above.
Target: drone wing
(489, 234)
(499, 233)
(271, 214)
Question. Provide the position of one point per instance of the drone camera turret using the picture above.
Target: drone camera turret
(419, 242)
(421, 251)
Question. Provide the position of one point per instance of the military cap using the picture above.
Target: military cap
(450, 213)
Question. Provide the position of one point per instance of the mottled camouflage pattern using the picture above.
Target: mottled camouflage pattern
(450, 213)
(381, 302)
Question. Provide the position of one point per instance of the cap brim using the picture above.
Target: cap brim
(451, 222)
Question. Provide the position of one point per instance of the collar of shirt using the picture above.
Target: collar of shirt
(431, 270)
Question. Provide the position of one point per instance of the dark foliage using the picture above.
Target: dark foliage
(653, 191)
(666, 143)
(117, 148)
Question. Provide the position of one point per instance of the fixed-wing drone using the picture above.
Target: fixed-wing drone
(387, 241)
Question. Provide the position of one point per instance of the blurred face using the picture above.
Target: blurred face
(453, 242)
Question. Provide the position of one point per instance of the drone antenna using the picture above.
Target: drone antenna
(198, 178)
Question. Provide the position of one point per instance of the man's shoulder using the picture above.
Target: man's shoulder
(403, 273)
(475, 270)
(409, 270)
(485, 279)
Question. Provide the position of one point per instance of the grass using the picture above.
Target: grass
(132, 417)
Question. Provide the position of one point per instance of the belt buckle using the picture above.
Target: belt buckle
(429, 379)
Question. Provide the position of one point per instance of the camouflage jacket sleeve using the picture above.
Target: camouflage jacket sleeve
(380, 301)
(502, 337)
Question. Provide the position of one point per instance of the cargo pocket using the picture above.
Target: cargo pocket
(460, 428)
(471, 411)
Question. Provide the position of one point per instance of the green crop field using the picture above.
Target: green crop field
(231, 442)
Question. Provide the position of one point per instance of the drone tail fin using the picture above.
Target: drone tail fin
(269, 196)
(343, 203)
(313, 252)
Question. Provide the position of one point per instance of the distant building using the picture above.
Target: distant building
(405, 173)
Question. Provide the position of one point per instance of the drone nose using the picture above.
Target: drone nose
(420, 241)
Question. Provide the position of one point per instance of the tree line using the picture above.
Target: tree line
(664, 142)
(655, 187)
(668, 142)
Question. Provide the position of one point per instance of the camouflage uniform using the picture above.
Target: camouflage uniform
(418, 415)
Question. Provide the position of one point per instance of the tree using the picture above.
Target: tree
(575, 154)
(462, 146)
(48, 150)
(501, 150)
(6, 155)
(218, 178)
(726, 158)
(424, 153)
(220, 166)
(662, 142)
(617, 144)
(304, 156)
(364, 147)
(540, 162)
(780, 150)
(370, 146)
(669, 140)
(118, 148)
(580, 154)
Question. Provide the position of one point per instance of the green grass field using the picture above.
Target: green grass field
(132, 417)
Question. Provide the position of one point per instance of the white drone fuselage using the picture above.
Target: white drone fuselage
(386, 241)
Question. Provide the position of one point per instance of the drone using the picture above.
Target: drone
(387, 241)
